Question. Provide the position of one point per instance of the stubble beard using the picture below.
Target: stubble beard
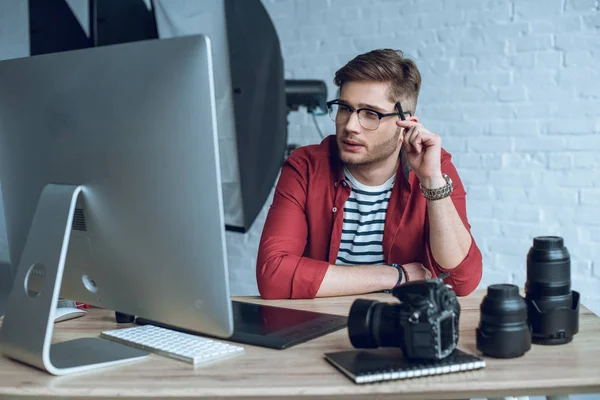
(375, 156)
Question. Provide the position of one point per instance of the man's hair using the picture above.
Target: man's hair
(389, 66)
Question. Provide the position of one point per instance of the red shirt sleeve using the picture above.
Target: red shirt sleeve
(281, 271)
(467, 275)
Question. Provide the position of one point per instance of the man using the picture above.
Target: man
(374, 206)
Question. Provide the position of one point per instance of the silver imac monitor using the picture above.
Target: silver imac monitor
(110, 176)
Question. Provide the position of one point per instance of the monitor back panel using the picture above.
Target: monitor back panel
(135, 124)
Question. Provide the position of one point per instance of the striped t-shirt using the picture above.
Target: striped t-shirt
(364, 218)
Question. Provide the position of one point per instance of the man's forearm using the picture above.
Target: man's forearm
(341, 280)
(449, 239)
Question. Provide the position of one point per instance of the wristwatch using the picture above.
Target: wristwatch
(438, 193)
(400, 269)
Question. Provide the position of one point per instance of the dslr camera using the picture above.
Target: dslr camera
(424, 324)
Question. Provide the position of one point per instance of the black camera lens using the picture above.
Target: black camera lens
(503, 330)
(552, 306)
(367, 314)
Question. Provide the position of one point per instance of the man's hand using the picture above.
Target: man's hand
(415, 271)
(423, 149)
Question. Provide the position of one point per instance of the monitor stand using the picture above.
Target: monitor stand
(6, 280)
(26, 333)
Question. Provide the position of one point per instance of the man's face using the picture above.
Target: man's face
(357, 145)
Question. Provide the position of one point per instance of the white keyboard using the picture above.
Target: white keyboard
(178, 345)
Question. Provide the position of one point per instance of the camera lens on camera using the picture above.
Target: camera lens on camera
(553, 307)
(503, 331)
(371, 324)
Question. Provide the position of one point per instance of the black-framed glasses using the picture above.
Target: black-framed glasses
(368, 118)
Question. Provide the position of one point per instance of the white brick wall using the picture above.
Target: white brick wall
(513, 87)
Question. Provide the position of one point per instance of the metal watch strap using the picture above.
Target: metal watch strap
(438, 193)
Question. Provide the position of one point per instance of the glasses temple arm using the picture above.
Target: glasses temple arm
(400, 111)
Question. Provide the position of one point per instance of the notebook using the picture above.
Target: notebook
(384, 364)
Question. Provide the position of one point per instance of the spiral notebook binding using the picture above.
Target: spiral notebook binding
(368, 366)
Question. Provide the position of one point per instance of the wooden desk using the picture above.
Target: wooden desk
(302, 373)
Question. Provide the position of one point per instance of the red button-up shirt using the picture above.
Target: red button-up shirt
(303, 230)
